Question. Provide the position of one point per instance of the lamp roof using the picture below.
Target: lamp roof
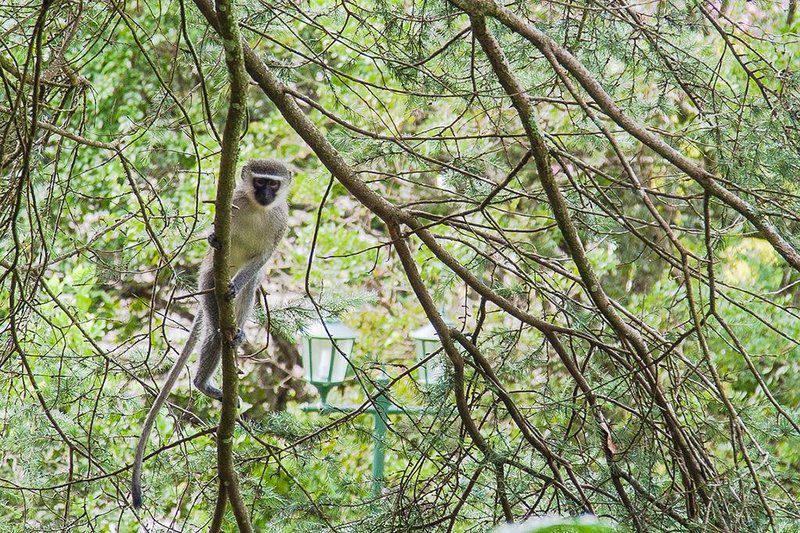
(330, 328)
(428, 332)
(425, 333)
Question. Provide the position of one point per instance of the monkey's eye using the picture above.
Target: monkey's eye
(262, 183)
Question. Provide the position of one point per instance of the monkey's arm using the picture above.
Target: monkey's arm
(245, 274)
(249, 270)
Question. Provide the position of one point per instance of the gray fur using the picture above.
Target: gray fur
(256, 231)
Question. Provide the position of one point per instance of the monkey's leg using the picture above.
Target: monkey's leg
(210, 350)
(207, 364)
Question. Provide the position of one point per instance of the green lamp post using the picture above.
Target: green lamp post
(326, 347)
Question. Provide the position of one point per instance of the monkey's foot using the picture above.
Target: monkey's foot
(213, 392)
(209, 390)
(213, 242)
(216, 394)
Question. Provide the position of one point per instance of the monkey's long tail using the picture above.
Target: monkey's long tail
(163, 394)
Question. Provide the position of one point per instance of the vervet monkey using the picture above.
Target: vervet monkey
(258, 223)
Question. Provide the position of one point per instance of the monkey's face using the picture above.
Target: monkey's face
(266, 189)
(269, 181)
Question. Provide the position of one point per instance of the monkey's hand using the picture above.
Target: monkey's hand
(232, 291)
(212, 241)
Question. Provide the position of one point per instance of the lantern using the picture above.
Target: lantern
(326, 347)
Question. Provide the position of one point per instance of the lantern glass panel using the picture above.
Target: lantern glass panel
(340, 363)
(434, 368)
(322, 352)
(431, 371)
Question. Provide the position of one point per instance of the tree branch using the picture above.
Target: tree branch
(228, 30)
(693, 477)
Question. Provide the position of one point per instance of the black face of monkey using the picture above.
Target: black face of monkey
(265, 189)
(268, 178)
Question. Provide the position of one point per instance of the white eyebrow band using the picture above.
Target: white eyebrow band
(269, 176)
